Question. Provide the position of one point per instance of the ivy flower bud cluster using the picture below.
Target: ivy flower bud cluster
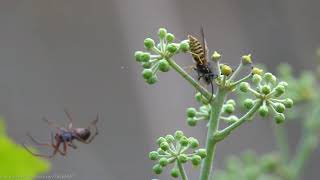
(173, 150)
(155, 59)
(268, 93)
(203, 113)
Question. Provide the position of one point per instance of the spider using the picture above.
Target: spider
(65, 137)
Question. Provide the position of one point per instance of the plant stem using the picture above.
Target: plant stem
(282, 142)
(182, 171)
(304, 150)
(235, 73)
(225, 132)
(186, 76)
(216, 106)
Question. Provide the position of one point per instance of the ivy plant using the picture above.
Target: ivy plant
(266, 98)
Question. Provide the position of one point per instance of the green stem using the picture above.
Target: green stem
(235, 73)
(282, 142)
(241, 80)
(304, 150)
(216, 106)
(182, 171)
(225, 132)
(186, 76)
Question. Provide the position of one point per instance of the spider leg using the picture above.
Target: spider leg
(52, 124)
(71, 144)
(64, 151)
(56, 149)
(69, 118)
(37, 142)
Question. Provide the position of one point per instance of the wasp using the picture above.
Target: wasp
(199, 53)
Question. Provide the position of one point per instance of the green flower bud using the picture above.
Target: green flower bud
(215, 56)
(246, 59)
(269, 163)
(232, 102)
(169, 138)
(184, 141)
(147, 73)
(183, 158)
(163, 161)
(270, 78)
(172, 48)
(273, 79)
(204, 109)
(225, 70)
(279, 90)
(244, 86)
(282, 83)
(175, 173)
(153, 155)
(256, 79)
(288, 103)
(228, 108)
(233, 119)
(191, 121)
(137, 55)
(161, 140)
(157, 169)
(148, 43)
(191, 112)
(195, 160)
(265, 89)
(145, 57)
(263, 111)
(279, 118)
(170, 38)
(162, 33)
(178, 135)
(248, 103)
(202, 153)
(256, 70)
(164, 146)
(194, 143)
(280, 108)
(146, 65)
(184, 46)
(164, 65)
(152, 80)
(198, 96)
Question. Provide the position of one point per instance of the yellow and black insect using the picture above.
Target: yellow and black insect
(200, 56)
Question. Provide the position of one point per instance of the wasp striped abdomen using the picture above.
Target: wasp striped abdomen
(197, 51)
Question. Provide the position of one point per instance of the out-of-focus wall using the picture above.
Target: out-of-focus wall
(77, 54)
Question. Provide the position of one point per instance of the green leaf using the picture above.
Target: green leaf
(16, 161)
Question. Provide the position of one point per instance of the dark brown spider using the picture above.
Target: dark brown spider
(65, 137)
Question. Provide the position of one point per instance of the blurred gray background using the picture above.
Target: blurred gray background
(78, 54)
